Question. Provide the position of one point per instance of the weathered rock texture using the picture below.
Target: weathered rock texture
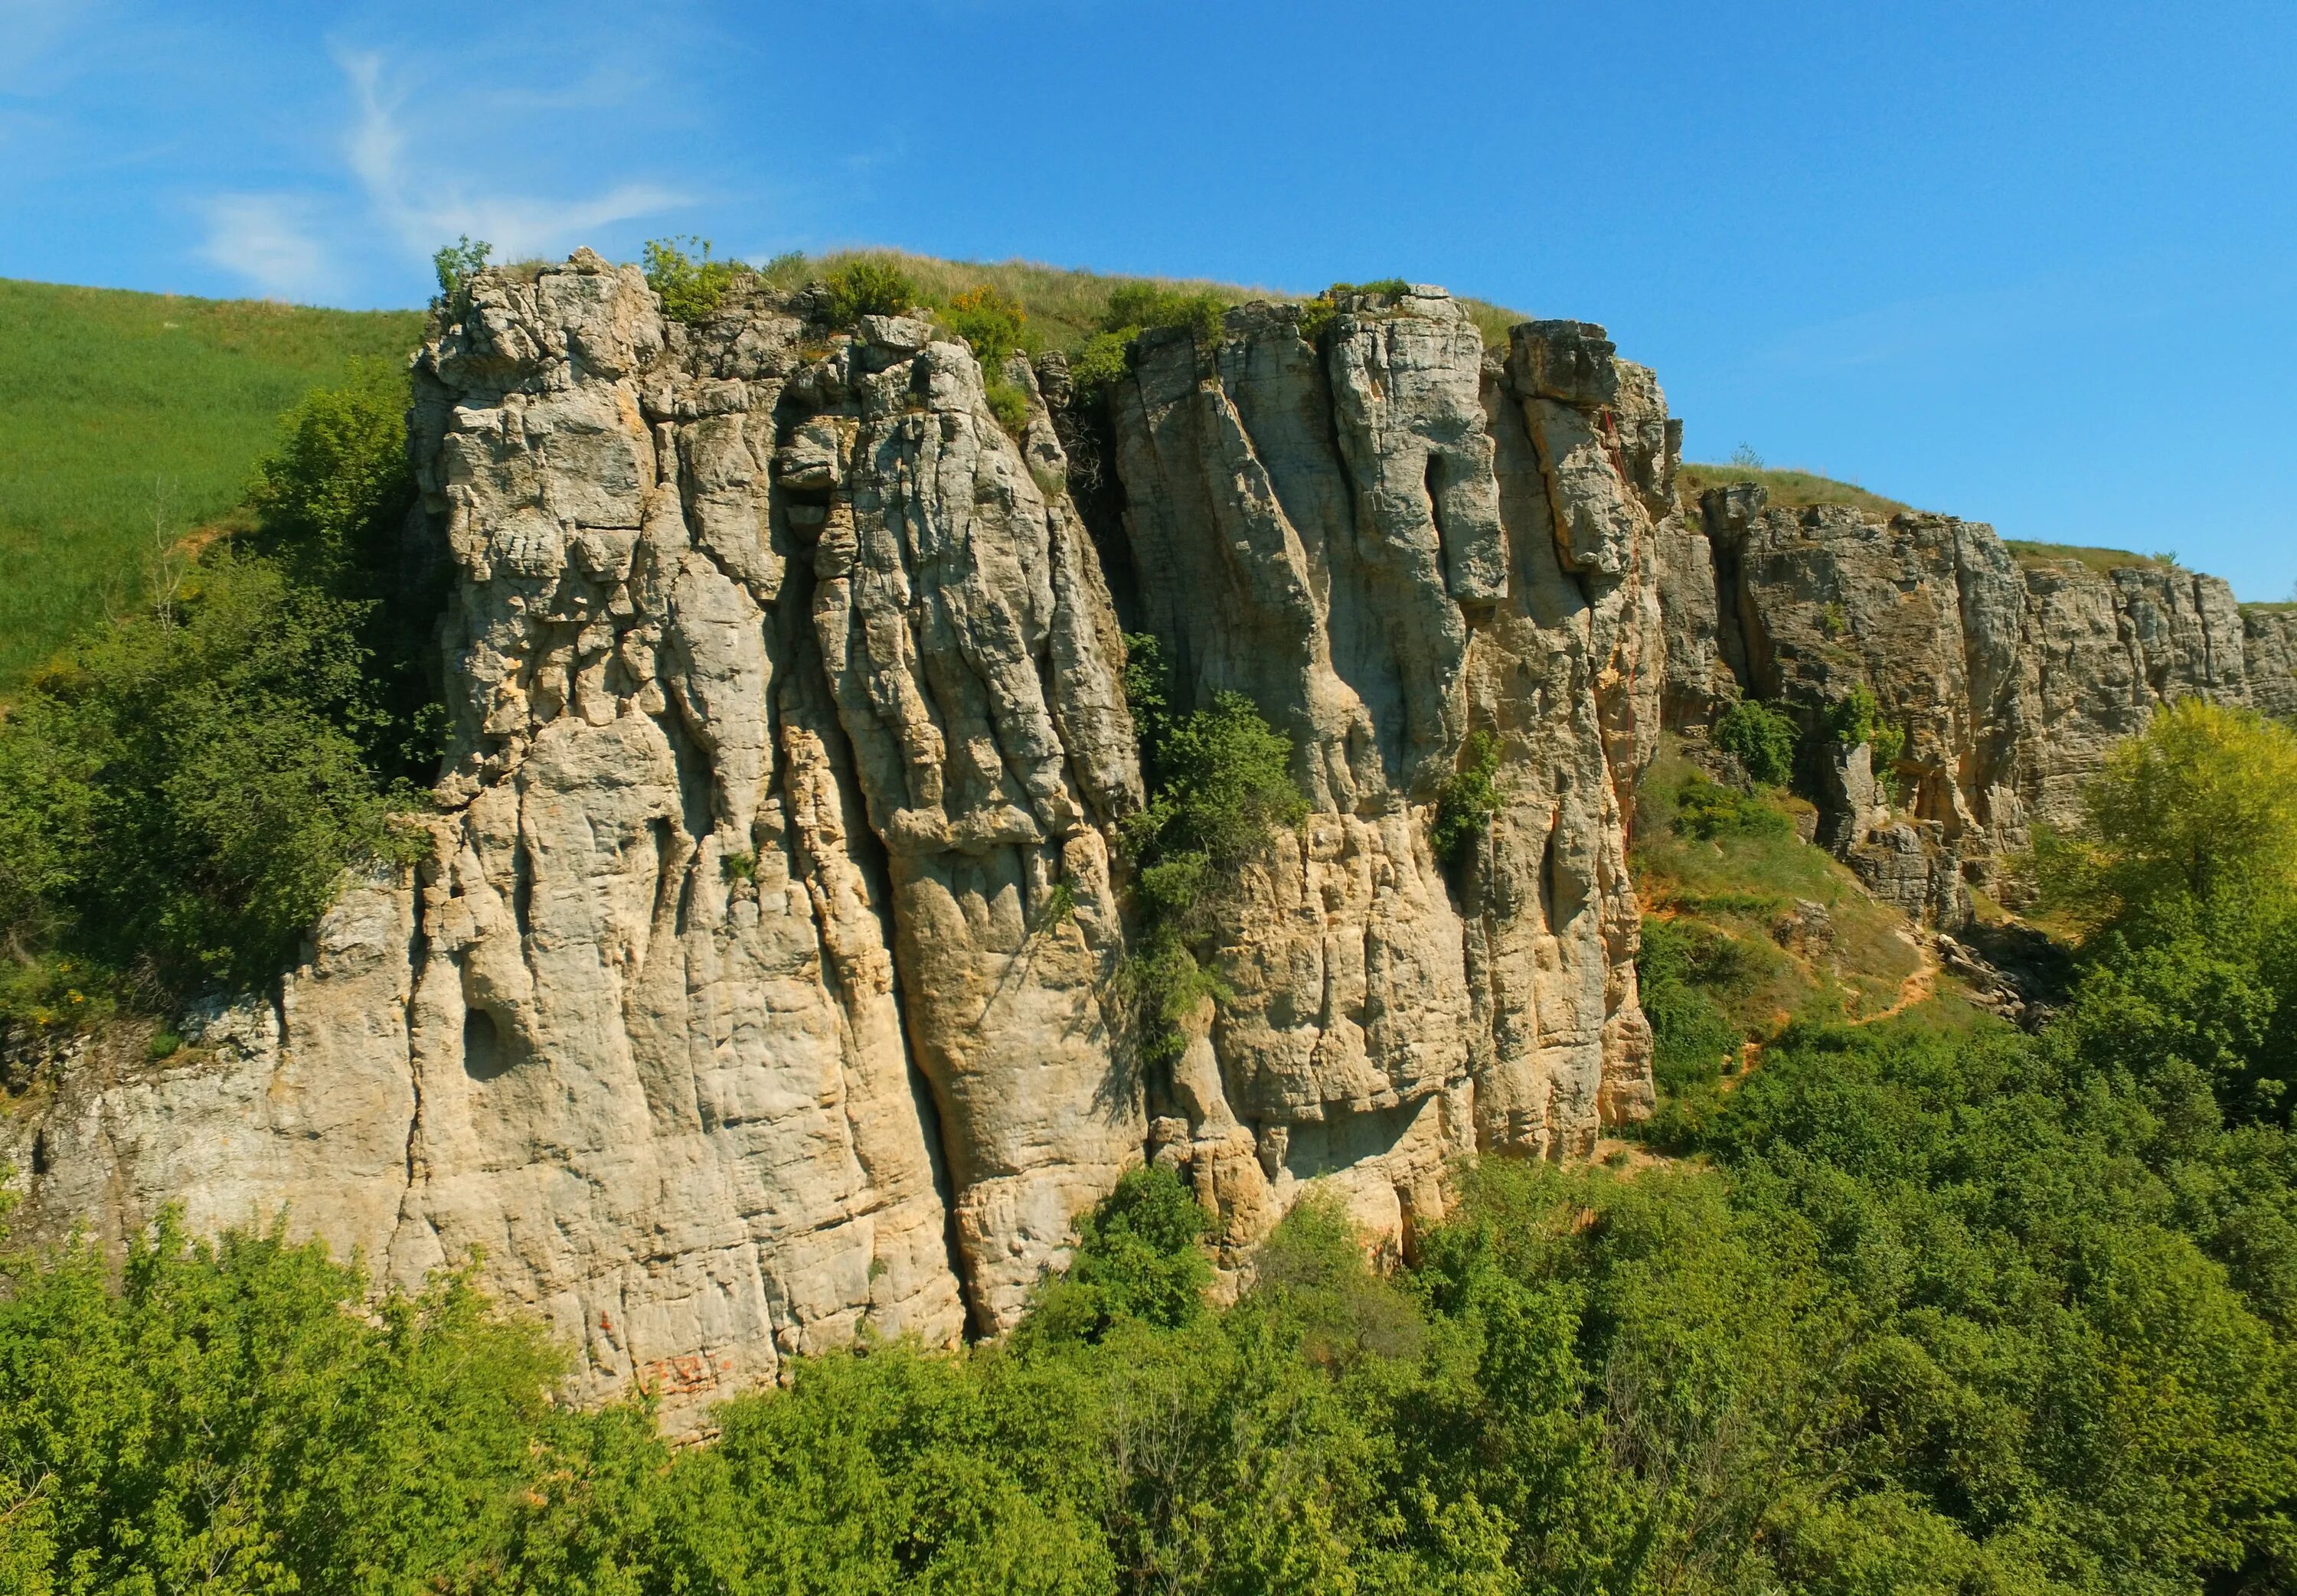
(756, 992)
(2012, 678)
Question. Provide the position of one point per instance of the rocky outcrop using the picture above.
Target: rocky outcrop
(2010, 677)
(756, 992)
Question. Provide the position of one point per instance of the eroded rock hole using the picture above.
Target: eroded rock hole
(485, 1055)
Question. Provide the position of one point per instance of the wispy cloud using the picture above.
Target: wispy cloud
(406, 178)
(272, 240)
(423, 204)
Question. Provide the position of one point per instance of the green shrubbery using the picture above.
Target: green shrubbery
(1856, 718)
(178, 797)
(1468, 800)
(1762, 739)
(867, 287)
(1679, 969)
(1707, 810)
(456, 264)
(1221, 780)
(691, 284)
(1938, 1314)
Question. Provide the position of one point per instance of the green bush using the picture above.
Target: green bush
(235, 1417)
(1468, 799)
(992, 324)
(1707, 809)
(456, 264)
(1220, 784)
(1100, 362)
(179, 796)
(1008, 404)
(869, 287)
(1136, 1258)
(1134, 307)
(1680, 969)
(691, 285)
(1762, 739)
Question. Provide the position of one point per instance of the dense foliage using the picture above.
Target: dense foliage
(690, 284)
(1221, 785)
(1467, 800)
(178, 795)
(1762, 739)
(867, 287)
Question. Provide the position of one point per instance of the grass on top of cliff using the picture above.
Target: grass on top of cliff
(1789, 489)
(1731, 952)
(121, 410)
(2099, 560)
(1066, 305)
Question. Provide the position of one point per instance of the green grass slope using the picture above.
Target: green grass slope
(115, 407)
(1789, 489)
(1067, 303)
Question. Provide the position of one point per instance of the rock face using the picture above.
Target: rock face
(2011, 678)
(756, 992)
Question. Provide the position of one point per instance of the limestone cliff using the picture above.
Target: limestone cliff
(756, 992)
(2011, 676)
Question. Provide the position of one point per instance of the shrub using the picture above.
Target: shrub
(455, 264)
(1707, 809)
(991, 323)
(1223, 785)
(1008, 404)
(238, 1417)
(869, 287)
(179, 796)
(1100, 363)
(1137, 1252)
(1679, 969)
(1135, 308)
(1468, 799)
(1856, 718)
(690, 286)
(1762, 740)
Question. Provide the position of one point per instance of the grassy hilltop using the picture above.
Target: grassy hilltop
(116, 407)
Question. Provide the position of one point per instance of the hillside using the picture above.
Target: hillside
(119, 408)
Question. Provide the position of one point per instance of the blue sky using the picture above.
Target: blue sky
(2028, 264)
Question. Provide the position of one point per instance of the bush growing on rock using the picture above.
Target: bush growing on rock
(1221, 785)
(691, 285)
(1468, 799)
(867, 287)
(1761, 739)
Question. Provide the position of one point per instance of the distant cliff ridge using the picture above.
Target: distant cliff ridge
(756, 992)
(2010, 674)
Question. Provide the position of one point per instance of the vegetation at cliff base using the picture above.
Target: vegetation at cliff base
(131, 420)
(1940, 1310)
(1760, 738)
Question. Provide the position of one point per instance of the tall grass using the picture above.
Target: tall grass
(1065, 305)
(117, 408)
(1789, 489)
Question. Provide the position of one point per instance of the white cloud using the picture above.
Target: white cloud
(423, 205)
(270, 240)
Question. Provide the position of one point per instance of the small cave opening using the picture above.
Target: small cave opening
(485, 1055)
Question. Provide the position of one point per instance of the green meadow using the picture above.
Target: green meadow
(129, 420)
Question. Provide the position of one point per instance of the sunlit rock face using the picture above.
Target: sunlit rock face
(2012, 677)
(758, 992)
